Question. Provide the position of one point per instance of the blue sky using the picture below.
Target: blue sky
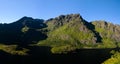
(12, 10)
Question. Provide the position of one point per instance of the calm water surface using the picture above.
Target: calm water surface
(41, 55)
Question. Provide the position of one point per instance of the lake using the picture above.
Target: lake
(42, 55)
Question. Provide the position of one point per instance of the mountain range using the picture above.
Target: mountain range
(63, 34)
(63, 39)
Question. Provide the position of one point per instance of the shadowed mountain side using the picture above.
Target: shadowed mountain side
(32, 36)
(22, 32)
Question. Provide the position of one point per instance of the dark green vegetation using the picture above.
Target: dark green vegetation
(61, 35)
